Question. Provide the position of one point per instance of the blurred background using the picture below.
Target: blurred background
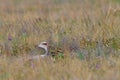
(87, 31)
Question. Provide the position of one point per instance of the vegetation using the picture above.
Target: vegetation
(88, 32)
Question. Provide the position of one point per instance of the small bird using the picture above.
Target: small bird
(44, 45)
(52, 52)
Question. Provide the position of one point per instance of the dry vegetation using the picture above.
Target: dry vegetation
(87, 30)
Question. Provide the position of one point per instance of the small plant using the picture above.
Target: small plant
(1, 49)
(80, 55)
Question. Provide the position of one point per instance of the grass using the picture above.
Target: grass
(86, 30)
(99, 68)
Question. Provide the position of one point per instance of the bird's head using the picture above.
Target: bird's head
(43, 45)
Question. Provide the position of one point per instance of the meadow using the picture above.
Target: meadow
(88, 32)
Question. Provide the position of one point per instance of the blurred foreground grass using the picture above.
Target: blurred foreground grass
(87, 30)
(68, 69)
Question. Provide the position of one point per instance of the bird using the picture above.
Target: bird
(43, 45)
(50, 51)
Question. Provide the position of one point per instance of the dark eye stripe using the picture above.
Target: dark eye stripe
(44, 43)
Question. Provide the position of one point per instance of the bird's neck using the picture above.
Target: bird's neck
(46, 51)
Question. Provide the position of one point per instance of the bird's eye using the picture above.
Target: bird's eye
(45, 44)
